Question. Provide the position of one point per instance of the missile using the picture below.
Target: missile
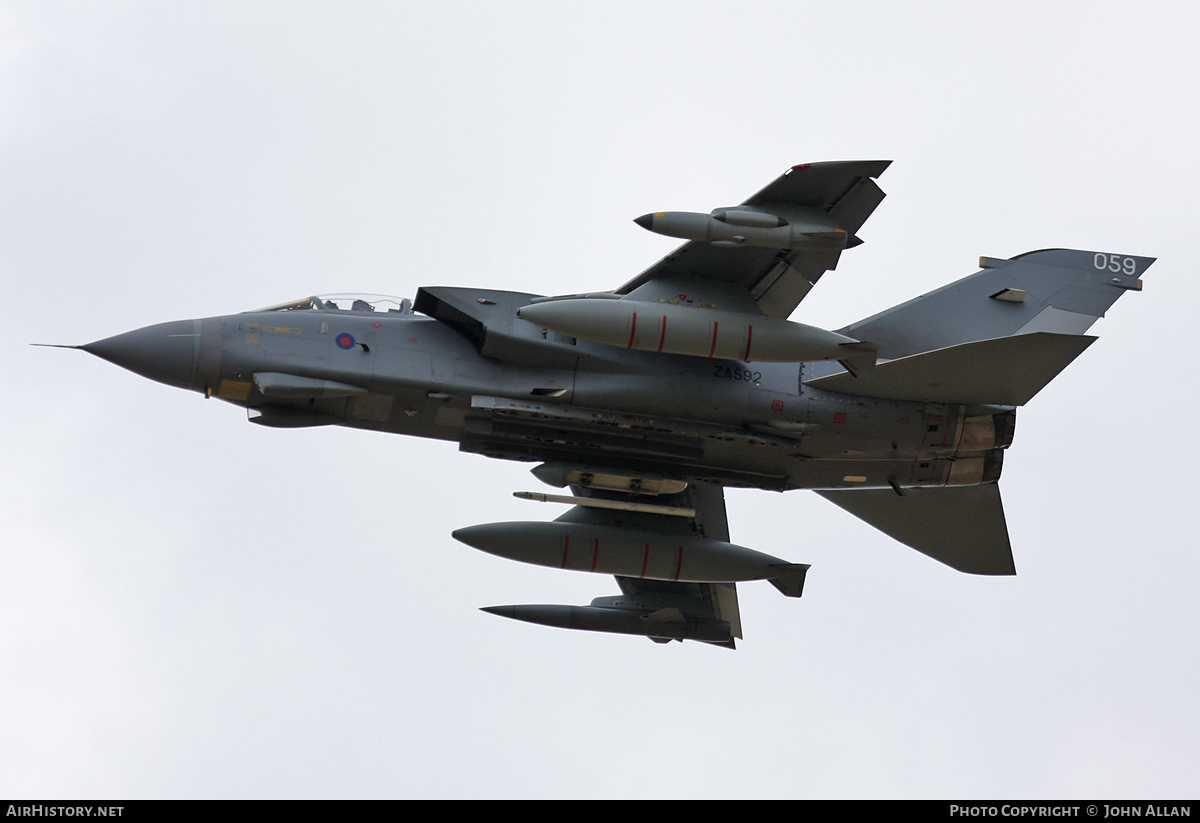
(676, 626)
(740, 226)
(626, 552)
(702, 332)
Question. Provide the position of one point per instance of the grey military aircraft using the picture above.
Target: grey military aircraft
(648, 400)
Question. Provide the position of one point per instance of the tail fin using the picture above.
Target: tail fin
(1062, 291)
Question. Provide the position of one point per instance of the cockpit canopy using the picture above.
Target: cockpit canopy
(365, 303)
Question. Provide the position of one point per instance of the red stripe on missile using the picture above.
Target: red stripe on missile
(632, 331)
(595, 553)
(713, 348)
(645, 559)
(679, 563)
(749, 337)
(662, 338)
(566, 545)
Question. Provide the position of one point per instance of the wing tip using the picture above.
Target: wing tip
(869, 168)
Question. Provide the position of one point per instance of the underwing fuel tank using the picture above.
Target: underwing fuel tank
(625, 552)
(701, 332)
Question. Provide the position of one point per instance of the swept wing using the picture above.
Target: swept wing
(833, 199)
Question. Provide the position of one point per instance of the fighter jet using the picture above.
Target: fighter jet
(648, 400)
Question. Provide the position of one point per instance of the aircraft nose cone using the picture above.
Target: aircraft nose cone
(166, 352)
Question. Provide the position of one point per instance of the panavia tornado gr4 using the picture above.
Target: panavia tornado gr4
(648, 400)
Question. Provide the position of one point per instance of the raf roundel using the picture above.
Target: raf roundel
(345, 341)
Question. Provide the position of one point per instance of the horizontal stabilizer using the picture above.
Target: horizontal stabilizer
(961, 526)
(1006, 371)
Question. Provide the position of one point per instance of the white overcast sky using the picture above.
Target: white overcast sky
(191, 606)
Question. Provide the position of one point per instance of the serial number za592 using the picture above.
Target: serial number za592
(735, 373)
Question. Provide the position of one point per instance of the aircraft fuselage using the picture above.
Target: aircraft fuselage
(721, 421)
